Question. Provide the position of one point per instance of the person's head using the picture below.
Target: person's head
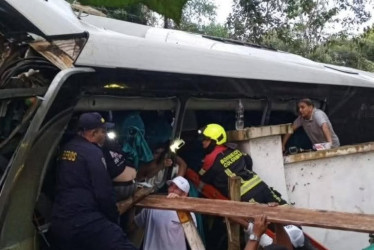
(305, 107)
(179, 185)
(296, 235)
(212, 135)
(93, 127)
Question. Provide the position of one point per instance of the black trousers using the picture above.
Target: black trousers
(100, 234)
(263, 194)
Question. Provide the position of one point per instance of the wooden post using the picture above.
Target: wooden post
(233, 229)
(190, 231)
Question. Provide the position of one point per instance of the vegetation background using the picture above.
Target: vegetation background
(328, 31)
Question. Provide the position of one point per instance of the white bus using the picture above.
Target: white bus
(56, 63)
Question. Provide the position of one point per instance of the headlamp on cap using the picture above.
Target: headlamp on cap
(111, 135)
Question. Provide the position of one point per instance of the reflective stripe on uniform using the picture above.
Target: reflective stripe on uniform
(248, 185)
(202, 172)
(229, 173)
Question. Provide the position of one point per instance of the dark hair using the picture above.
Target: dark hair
(307, 101)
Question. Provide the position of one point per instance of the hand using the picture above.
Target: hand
(260, 225)
(249, 229)
(168, 162)
(273, 204)
(173, 195)
(327, 145)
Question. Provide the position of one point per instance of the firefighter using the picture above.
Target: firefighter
(223, 160)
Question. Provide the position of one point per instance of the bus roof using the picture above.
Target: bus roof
(118, 44)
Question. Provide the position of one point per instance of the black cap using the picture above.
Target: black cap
(88, 121)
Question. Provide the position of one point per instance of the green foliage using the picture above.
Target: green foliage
(196, 15)
(217, 30)
(341, 50)
(307, 28)
(306, 19)
(199, 11)
(136, 13)
(251, 19)
(169, 8)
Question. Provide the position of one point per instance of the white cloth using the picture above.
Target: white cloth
(163, 230)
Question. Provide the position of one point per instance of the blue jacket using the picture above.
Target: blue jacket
(84, 188)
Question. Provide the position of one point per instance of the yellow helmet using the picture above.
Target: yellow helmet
(214, 132)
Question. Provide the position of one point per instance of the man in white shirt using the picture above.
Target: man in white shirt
(163, 230)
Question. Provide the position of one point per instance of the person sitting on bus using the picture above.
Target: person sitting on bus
(316, 125)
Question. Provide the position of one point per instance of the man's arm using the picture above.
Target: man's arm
(286, 137)
(326, 132)
(259, 227)
(182, 166)
(101, 185)
(141, 218)
(322, 120)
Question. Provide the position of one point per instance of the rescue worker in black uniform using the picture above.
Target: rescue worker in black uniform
(120, 169)
(85, 215)
(223, 160)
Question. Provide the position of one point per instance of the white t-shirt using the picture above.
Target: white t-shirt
(163, 231)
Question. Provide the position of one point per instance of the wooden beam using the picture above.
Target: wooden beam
(281, 214)
(53, 54)
(139, 194)
(233, 229)
(257, 132)
(190, 231)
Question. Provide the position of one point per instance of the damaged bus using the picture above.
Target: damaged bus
(55, 64)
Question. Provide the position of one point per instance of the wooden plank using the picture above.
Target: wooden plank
(257, 132)
(190, 231)
(280, 214)
(140, 194)
(211, 192)
(53, 54)
(232, 227)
